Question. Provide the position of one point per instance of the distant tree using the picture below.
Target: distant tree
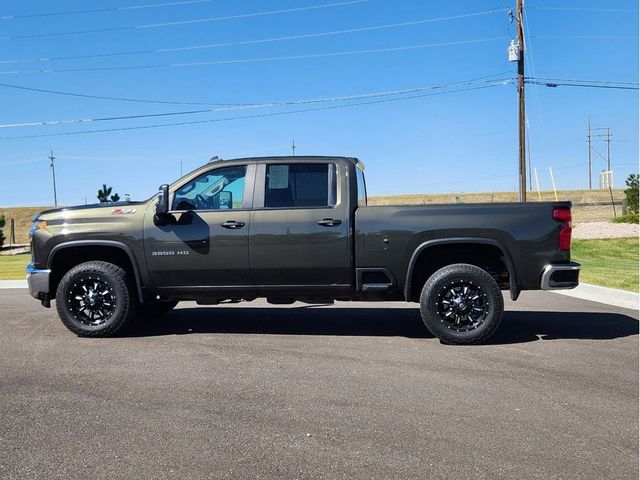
(105, 192)
(631, 193)
(1, 225)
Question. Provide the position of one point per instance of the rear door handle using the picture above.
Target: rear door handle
(232, 224)
(329, 222)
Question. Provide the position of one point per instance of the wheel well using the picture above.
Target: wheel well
(488, 257)
(67, 258)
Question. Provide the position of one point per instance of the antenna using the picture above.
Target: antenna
(293, 147)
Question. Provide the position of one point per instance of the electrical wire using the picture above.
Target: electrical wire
(185, 22)
(605, 82)
(582, 37)
(170, 102)
(252, 42)
(586, 9)
(104, 10)
(252, 60)
(263, 105)
(585, 85)
(264, 115)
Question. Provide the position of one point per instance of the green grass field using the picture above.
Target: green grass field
(12, 266)
(610, 263)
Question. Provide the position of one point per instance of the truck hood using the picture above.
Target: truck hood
(99, 209)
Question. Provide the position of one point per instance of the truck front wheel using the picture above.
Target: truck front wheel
(94, 300)
(461, 304)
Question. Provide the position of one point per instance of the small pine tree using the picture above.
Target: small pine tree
(631, 193)
(103, 193)
(115, 197)
(2, 221)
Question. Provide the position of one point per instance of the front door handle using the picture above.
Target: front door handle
(329, 222)
(232, 224)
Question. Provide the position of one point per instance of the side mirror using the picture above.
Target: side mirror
(162, 207)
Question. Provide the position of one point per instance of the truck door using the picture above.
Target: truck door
(300, 225)
(205, 242)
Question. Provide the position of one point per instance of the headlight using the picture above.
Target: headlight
(37, 225)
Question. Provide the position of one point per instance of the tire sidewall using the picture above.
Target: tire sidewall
(452, 274)
(114, 277)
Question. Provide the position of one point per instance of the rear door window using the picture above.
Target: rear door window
(300, 185)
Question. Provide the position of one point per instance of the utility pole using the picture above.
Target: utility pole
(529, 159)
(589, 142)
(293, 147)
(522, 163)
(608, 149)
(53, 171)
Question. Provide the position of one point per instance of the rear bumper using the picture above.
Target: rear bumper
(38, 281)
(560, 276)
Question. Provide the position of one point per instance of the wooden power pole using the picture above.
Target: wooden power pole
(589, 142)
(522, 162)
(53, 171)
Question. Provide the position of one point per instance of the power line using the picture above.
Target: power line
(264, 105)
(583, 37)
(200, 104)
(185, 22)
(252, 60)
(584, 85)
(252, 42)
(104, 10)
(264, 115)
(604, 82)
(583, 9)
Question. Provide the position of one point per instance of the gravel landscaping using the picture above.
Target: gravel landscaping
(587, 230)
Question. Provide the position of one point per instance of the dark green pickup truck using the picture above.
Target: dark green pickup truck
(294, 229)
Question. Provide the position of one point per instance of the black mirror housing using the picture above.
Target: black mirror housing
(162, 207)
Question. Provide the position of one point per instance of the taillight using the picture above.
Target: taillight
(564, 238)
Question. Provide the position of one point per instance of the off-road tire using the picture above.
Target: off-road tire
(448, 283)
(111, 278)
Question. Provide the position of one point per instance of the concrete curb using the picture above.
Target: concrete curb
(610, 296)
(4, 284)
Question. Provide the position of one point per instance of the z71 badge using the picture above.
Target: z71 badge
(123, 211)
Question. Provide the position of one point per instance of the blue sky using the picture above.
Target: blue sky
(462, 140)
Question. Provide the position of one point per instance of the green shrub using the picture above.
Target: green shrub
(2, 221)
(631, 194)
(631, 217)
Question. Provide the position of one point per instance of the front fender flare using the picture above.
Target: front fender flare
(102, 243)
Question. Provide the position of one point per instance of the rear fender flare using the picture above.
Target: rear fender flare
(513, 280)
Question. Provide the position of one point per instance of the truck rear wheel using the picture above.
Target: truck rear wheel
(461, 304)
(94, 300)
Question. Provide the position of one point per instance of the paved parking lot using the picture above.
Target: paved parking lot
(250, 391)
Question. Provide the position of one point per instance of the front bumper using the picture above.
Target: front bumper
(38, 281)
(560, 276)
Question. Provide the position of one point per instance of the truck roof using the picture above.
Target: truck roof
(284, 158)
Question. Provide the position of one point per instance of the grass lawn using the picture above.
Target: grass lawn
(609, 263)
(12, 266)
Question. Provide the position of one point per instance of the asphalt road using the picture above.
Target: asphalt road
(349, 391)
